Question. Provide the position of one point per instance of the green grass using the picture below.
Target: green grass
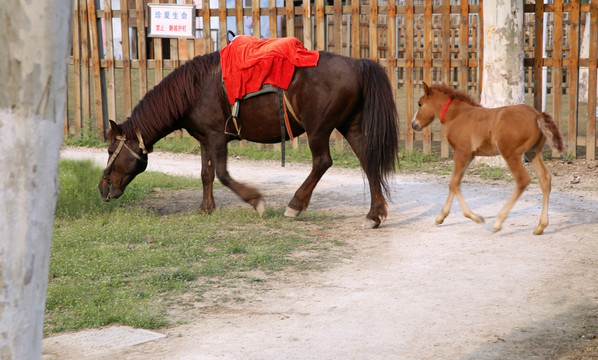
(118, 262)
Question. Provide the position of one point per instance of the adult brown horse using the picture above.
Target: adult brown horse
(353, 96)
(473, 130)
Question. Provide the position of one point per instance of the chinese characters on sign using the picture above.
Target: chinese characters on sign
(171, 21)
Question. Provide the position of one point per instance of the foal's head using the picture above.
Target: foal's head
(435, 102)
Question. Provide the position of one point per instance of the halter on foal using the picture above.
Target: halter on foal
(473, 130)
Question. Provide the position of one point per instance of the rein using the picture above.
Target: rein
(444, 110)
(122, 144)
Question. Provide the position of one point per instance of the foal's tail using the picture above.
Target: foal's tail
(551, 130)
(379, 124)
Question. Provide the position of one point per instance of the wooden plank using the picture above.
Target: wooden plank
(592, 82)
(446, 66)
(392, 44)
(307, 25)
(320, 26)
(76, 129)
(480, 49)
(428, 45)
(464, 45)
(255, 13)
(557, 64)
(290, 17)
(355, 29)
(110, 80)
(126, 61)
(189, 44)
(174, 47)
(158, 57)
(337, 41)
(272, 19)
(408, 73)
(222, 23)
(85, 49)
(141, 47)
(207, 31)
(373, 30)
(573, 78)
(95, 64)
(239, 17)
(538, 53)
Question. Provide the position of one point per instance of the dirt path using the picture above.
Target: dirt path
(411, 290)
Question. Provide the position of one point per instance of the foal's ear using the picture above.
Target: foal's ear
(114, 127)
(426, 90)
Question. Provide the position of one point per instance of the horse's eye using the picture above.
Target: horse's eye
(419, 104)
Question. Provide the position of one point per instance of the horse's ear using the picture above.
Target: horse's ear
(426, 90)
(114, 127)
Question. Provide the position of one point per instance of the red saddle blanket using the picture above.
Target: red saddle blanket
(248, 63)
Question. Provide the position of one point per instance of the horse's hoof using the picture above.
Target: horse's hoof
(480, 220)
(538, 231)
(439, 220)
(370, 224)
(290, 212)
(260, 207)
(497, 227)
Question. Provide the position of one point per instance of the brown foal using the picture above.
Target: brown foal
(473, 130)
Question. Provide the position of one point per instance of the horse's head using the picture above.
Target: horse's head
(430, 106)
(127, 158)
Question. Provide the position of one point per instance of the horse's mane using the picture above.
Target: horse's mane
(169, 100)
(454, 93)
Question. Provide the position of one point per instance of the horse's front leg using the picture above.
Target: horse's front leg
(461, 161)
(249, 194)
(321, 161)
(207, 180)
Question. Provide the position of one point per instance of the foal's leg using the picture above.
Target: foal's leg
(321, 161)
(461, 161)
(522, 179)
(545, 184)
(247, 193)
(378, 211)
(207, 180)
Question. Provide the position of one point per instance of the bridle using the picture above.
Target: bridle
(123, 143)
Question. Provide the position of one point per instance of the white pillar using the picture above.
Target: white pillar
(502, 73)
(34, 46)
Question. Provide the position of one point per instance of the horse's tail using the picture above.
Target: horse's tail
(551, 130)
(379, 123)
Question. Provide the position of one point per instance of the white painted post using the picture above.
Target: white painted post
(35, 43)
(502, 73)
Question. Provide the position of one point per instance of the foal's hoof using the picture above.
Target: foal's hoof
(290, 212)
(497, 227)
(538, 230)
(260, 207)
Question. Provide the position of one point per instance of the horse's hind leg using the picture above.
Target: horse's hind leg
(522, 179)
(545, 184)
(321, 161)
(378, 211)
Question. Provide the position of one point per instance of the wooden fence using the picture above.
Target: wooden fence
(415, 40)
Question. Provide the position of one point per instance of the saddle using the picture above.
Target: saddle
(253, 67)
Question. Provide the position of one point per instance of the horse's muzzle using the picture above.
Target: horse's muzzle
(107, 191)
(415, 125)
